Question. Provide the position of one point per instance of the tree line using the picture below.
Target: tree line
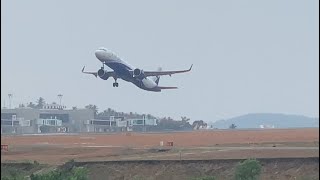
(164, 123)
(37, 105)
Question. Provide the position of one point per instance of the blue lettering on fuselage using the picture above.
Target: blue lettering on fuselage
(124, 72)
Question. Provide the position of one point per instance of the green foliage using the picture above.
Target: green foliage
(80, 173)
(13, 178)
(232, 126)
(94, 108)
(19, 171)
(206, 178)
(31, 105)
(199, 123)
(40, 103)
(77, 173)
(111, 112)
(304, 178)
(36, 163)
(249, 169)
(137, 178)
(169, 123)
(13, 175)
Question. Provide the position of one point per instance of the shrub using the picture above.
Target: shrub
(11, 174)
(80, 173)
(13, 178)
(249, 169)
(77, 173)
(304, 178)
(36, 163)
(206, 178)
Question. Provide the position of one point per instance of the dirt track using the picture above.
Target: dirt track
(57, 149)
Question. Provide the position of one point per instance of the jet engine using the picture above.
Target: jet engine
(103, 74)
(138, 73)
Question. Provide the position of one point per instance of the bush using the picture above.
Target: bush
(11, 174)
(249, 169)
(77, 173)
(304, 178)
(36, 163)
(13, 178)
(206, 178)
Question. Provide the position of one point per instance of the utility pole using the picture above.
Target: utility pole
(60, 97)
(10, 96)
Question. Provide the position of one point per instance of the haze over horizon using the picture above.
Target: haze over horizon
(248, 56)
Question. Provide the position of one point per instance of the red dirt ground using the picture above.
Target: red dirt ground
(60, 148)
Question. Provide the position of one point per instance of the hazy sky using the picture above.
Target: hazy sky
(249, 56)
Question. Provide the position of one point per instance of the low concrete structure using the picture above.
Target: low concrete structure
(115, 124)
(27, 120)
(57, 119)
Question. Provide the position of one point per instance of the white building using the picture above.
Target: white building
(117, 124)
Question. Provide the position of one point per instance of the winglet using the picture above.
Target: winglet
(93, 73)
(190, 67)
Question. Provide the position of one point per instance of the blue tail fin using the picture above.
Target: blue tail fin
(157, 79)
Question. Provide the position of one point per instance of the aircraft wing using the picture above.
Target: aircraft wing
(110, 73)
(163, 73)
(86, 72)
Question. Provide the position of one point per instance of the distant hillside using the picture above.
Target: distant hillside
(267, 119)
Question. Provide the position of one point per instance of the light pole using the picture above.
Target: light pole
(10, 96)
(60, 97)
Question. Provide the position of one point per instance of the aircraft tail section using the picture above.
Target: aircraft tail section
(157, 78)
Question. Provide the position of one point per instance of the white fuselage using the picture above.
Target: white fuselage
(124, 70)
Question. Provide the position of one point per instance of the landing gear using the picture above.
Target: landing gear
(115, 84)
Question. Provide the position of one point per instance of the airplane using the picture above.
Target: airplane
(146, 80)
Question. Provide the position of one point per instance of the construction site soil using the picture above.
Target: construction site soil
(222, 144)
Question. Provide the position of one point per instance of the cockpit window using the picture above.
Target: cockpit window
(103, 49)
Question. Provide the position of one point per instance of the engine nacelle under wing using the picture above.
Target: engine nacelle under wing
(138, 73)
(103, 74)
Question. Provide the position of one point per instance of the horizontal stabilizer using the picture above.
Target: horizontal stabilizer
(168, 87)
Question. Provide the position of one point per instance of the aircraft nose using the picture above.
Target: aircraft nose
(99, 54)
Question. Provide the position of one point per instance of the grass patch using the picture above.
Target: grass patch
(205, 178)
(249, 169)
(18, 171)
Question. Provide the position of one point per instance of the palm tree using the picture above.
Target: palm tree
(184, 119)
(31, 105)
(199, 123)
(232, 126)
(40, 103)
(94, 108)
(185, 122)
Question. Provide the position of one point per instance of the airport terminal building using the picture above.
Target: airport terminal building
(53, 118)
